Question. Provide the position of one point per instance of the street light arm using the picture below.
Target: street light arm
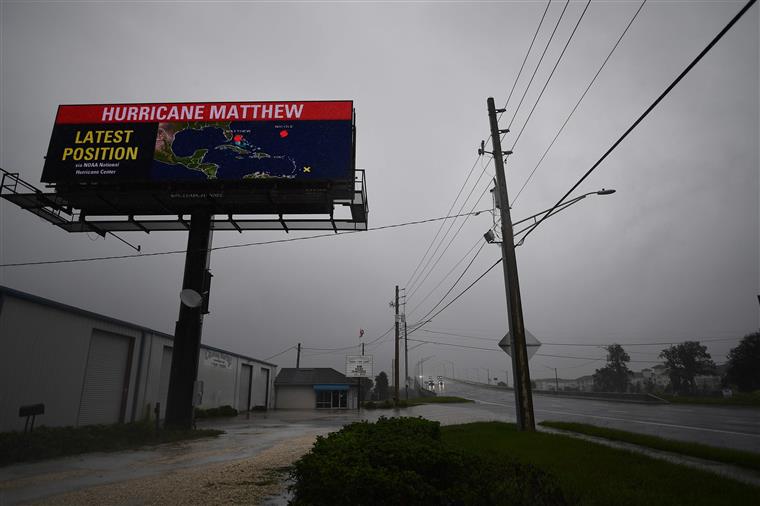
(552, 211)
(534, 216)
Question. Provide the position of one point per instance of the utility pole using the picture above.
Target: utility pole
(298, 357)
(523, 394)
(556, 380)
(395, 365)
(406, 354)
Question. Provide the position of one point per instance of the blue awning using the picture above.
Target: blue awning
(329, 386)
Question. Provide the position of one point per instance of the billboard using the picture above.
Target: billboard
(359, 366)
(201, 142)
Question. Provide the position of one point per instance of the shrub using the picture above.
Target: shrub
(221, 411)
(370, 405)
(404, 461)
(51, 442)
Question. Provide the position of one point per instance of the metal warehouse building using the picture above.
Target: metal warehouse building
(88, 368)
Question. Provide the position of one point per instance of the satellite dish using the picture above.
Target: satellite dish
(190, 298)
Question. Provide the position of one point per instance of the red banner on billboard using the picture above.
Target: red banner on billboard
(204, 111)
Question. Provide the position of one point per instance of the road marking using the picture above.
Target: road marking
(661, 424)
(643, 422)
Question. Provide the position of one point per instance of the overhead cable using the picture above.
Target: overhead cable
(539, 63)
(548, 79)
(230, 246)
(651, 107)
(578, 103)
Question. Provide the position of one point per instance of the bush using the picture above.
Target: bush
(404, 461)
(51, 442)
(219, 412)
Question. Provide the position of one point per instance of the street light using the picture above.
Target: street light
(419, 366)
(489, 236)
(453, 373)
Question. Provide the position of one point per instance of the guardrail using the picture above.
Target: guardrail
(600, 396)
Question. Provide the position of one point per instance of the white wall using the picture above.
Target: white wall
(44, 360)
(296, 397)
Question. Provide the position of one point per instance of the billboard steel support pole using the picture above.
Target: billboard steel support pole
(523, 394)
(187, 334)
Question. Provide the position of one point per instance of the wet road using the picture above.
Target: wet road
(247, 435)
(729, 427)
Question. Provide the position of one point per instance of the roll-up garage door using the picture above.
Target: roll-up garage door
(244, 399)
(106, 379)
(163, 382)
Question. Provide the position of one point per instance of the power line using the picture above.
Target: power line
(543, 16)
(231, 246)
(455, 282)
(409, 286)
(442, 223)
(594, 345)
(537, 354)
(578, 103)
(451, 225)
(651, 107)
(278, 354)
(548, 79)
(445, 277)
(539, 63)
(457, 297)
(331, 349)
(451, 241)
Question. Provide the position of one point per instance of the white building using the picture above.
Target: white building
(315, 387)
(87, 368)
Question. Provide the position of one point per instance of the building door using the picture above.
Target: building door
(106, 379)
(261, 389)
(246, 378)
(163, 382)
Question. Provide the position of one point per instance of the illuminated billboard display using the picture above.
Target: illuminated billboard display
(201, 142)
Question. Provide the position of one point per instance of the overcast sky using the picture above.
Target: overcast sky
(672, 256)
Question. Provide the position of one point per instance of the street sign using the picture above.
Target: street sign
(530, 340)
(359, 366)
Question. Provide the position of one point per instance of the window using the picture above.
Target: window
(324, 399)
(332, 399)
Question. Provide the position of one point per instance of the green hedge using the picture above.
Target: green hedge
(221, 411)
(51, 442)
(404, 461)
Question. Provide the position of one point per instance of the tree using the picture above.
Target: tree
(744, 364)
(614, 376)
(366, 386)
(685, 361)
(381, 386)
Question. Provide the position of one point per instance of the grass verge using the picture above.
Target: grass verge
(438, 399)
(726, 455)
(751, 399)
(592, 474)
(388, 404)
(51, 442)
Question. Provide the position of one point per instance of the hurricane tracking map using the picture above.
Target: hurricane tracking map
(202, 142)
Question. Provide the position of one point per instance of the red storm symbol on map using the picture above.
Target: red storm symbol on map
(238, 138)
(283, 133)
